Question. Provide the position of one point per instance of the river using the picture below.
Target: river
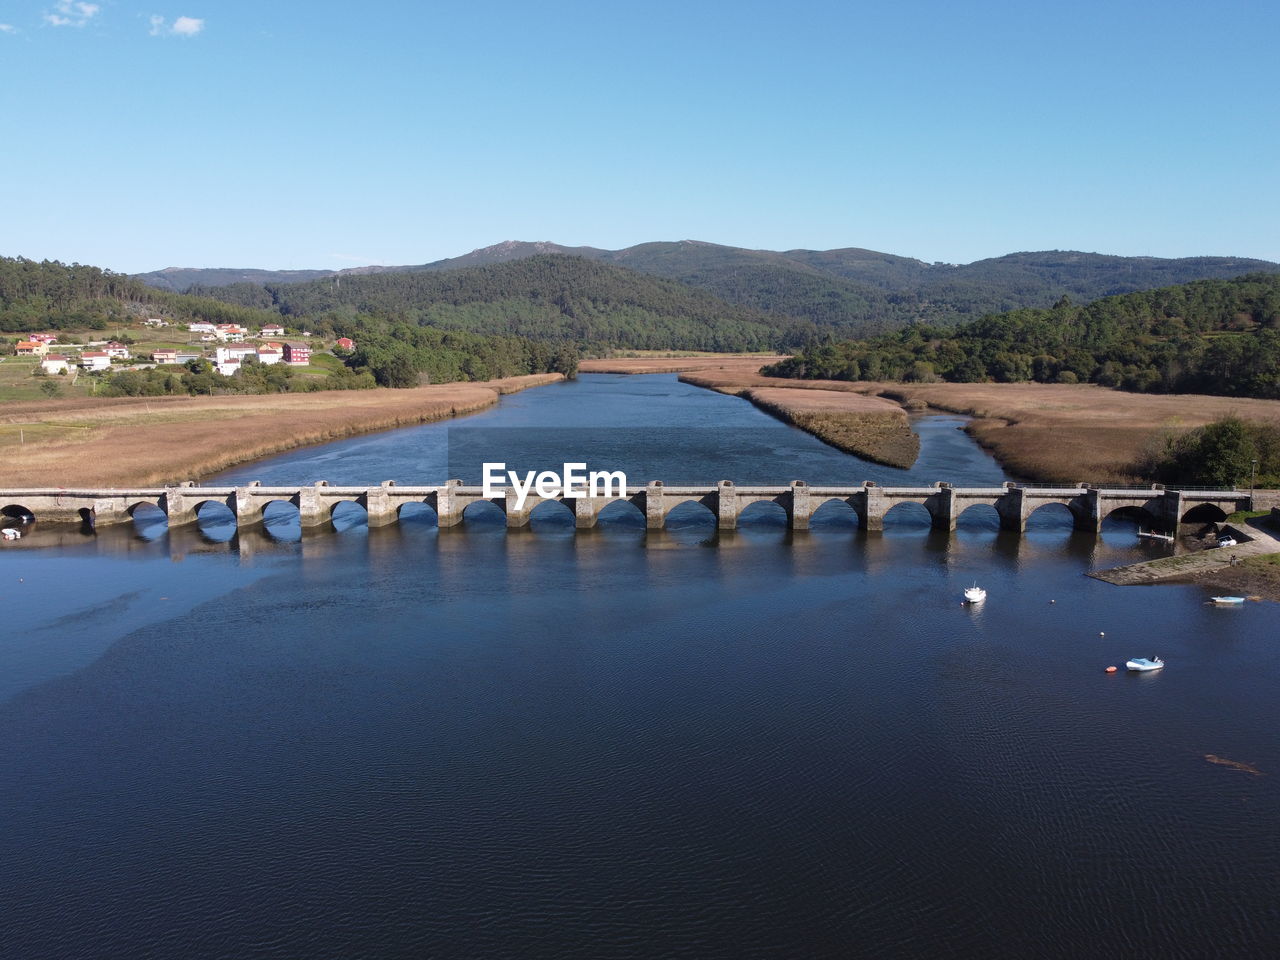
(403, 742)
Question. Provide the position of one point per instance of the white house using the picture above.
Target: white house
(201, 327)
(155, 322)
(95, 360)
(227, 367)
(273, 330)
(237, 352)
(165, 356)
(116, 351)
(270, 353)
(54, 363)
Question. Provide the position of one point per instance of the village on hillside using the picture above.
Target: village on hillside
(226, 347)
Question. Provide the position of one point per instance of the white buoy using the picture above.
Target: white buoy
(1101, 634)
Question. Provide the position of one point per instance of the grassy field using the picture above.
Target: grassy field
(145, 441)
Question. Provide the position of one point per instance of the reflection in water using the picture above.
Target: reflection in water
(408, 741)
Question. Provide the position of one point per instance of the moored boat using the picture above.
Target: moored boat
(1226, 601)
(1143, 665)
(974, 594)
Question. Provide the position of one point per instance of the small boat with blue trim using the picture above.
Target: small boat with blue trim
(1144, 665)
(1226, 601)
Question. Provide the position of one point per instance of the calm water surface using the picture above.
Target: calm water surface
(474, 743)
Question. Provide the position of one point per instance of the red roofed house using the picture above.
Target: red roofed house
(345, 343)
(31, 348)
(273, 330)
(44, 337)
(297, 354)
(117, 350)
(54, 363)
(270, 353)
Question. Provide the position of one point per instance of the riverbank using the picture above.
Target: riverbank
(154, 440)
(1251, 568)
(848, 419)
(1043, 432)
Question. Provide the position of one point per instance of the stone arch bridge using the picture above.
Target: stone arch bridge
(1161, 508)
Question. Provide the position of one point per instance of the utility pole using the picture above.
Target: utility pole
(1253, 477)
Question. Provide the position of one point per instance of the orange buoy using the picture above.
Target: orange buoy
(1111, 669)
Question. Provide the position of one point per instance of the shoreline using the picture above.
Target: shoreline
(853, 421)
(145, 441)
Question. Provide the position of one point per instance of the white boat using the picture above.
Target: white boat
(974, 594)
(1227, 600)
(1143, 665)
(9, 533)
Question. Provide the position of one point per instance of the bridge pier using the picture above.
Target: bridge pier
(1012, 508)
(942, 512)
(874, 507)
(447, 504)
(726, 505)
(655, 515)
(516, 516)
(585, 512)
(311, 512)
(247, 508)
(798, 508)
(379, 506)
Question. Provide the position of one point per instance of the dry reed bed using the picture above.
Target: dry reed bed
(1069, 432)
(869, 427)
(1045, 432)
(146, 441)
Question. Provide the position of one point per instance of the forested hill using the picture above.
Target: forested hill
(1209, 336)
(550, 297)
(44, 295)
(855, 292)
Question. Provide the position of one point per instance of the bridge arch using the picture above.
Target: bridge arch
(417, 511)
(484, 511)
(835, 512)
(764, 512)
(216, 520)
(979, 516)
(689, 510)
(553, 514)
(908, 513)
(16, 511)
(1052, 516)
(347, 513)
(279, 508)
(146, 514)
(624, 512)
(1132, 513)
(1203, 513)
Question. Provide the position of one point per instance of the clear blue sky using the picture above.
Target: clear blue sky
(327, 134)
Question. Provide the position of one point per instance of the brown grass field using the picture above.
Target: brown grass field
(1045, 432)
(146, 441)
(1069, 432)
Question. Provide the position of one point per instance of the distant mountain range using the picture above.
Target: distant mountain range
(858, 292)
